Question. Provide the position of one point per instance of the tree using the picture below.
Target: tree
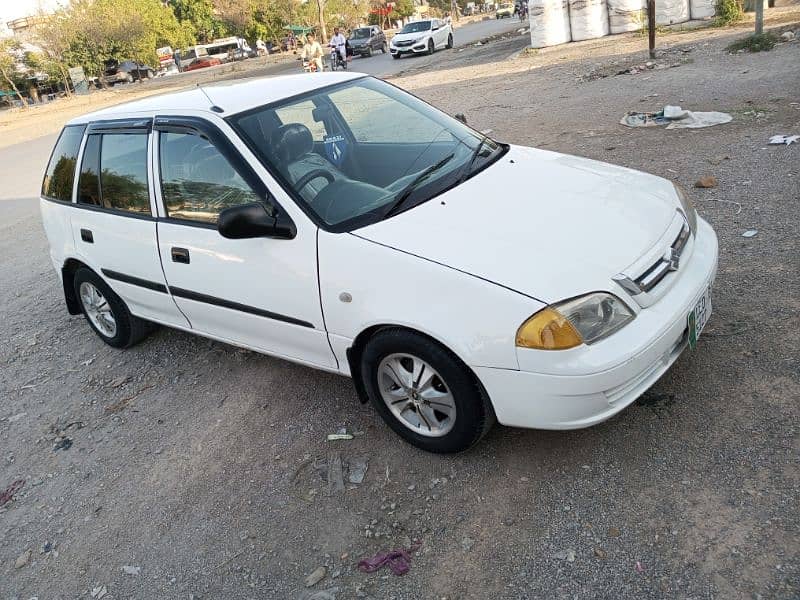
(55, 33)
(199, 15)
(122, 29)
(8, 66)
(403, 9)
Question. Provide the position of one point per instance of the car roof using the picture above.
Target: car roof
(231, 96)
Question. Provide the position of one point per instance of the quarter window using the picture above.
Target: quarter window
(197, 181)
(114, 172)
(60, 175)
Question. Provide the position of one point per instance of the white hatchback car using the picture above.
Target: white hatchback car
(421, 37)
(339, 222)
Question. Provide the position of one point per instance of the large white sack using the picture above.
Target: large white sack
(588, 19)
(669, 12)
(549, 21)
(702, 9)
(626, 15)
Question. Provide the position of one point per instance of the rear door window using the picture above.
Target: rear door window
(60, 175)
(114, 172)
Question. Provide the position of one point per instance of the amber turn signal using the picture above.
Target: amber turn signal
(548, 330)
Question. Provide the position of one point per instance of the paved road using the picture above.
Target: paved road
(382, 65)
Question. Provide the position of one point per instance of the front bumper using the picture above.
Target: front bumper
(572, 395)
(418, 48)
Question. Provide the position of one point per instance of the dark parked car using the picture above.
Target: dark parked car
(364, 40)
(126, 71)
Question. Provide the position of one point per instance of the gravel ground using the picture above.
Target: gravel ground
(184, 468)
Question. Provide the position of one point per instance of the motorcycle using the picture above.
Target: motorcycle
(309, 66)
(336, 59)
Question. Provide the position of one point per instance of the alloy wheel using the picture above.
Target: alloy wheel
(416, 395)
(98, 310)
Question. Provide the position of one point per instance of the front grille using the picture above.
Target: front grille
(670, 261)
(403, 44)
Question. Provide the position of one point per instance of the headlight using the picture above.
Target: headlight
(582, 320)
(687, 206)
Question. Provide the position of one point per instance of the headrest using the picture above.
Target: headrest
(291, 141)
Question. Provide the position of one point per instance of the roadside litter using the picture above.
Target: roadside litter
(709, 181)
(788, 140)
(399, 561)
(674, 117)
(332, 437)
(750, 233)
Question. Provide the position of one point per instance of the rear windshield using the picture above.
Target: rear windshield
(60, 174)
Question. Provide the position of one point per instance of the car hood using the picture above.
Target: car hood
(547, 225)
(402, 37)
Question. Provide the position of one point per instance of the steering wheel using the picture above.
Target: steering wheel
(311, 176)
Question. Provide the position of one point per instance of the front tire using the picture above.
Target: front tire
(425, 393)
(431, 48)
(106, 313)
(369, 51)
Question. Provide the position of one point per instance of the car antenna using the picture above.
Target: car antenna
(213, 107)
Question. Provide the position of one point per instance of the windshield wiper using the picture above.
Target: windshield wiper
(406, 191)
(475, 154)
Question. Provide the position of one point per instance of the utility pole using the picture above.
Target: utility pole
(759, 17)
(651, 26)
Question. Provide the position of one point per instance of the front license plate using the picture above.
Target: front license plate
(698, 317)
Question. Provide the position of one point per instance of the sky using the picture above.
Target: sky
(14, 9)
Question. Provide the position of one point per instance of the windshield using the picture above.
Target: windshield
(360, 33)
(361, 151)
(416, 27)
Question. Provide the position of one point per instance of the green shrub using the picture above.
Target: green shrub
(757, 42)
(729, 12)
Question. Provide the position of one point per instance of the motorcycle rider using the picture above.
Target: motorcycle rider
(338, 41)
(312, 51)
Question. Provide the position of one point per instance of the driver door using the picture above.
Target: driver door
(261, 293)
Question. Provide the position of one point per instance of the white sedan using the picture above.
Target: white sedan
(421, 37)
(339, 222)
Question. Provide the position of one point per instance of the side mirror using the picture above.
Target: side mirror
(461, 117)
(252, 221)
(434, 28)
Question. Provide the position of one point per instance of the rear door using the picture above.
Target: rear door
(262, 292)
(113, 226)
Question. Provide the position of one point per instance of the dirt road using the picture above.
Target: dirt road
(184, 468)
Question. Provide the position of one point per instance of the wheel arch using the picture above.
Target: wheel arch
(68, 270)
(356, 349)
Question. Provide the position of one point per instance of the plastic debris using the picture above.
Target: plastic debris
(332, 437)
(639, 567)
(129, 570)
(9, 492)
(780, 140)
(23, 559)
(674, 117)
(99, 592)
(399, 561)
(316, 576)
(335, 476)
(750, 233)
(568, 555)
(358, 469)
(62, 444)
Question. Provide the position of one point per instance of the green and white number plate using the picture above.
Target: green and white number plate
(698, 317)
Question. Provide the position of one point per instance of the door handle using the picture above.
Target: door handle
(180, 255)
(87, 236)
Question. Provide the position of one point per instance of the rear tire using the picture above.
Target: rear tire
(450, 41)
(384, 49)
(450, 402)
(106, 312)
